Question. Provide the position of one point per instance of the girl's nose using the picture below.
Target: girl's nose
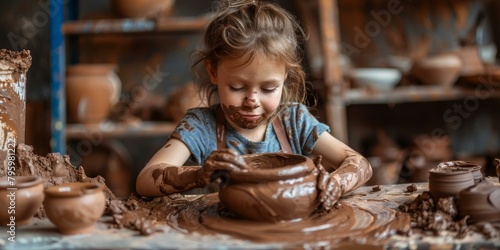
(250, 99)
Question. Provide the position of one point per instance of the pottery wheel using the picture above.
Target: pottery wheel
(356, 219)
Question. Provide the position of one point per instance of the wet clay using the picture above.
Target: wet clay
(275, 187)
(13, 68)
(354, 219)
(55, 169)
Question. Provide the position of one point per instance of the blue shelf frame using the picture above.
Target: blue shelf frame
(57, 79)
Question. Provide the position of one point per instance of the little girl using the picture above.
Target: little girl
(249, 67)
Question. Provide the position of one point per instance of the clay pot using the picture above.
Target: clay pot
(91, 92)
(441, 69)
(74, 207)
(22, 202)
(143, 8)
(276, 187)
(449, 181)
(481, 203)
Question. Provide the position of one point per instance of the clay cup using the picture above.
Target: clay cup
(20, 199)
(74, 207)
(449, 181)
(276, 187)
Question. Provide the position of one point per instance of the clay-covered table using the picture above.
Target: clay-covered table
(43, 235)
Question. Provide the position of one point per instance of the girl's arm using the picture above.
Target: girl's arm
(164, 173)
(166, 164)
(349, 169)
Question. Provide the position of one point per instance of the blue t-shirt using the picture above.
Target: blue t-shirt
(198, 131)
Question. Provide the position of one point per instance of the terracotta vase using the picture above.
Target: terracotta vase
(74, 207)
(449, 181)
(277, 187)
(481, 203)
(91, 92)
(21, 200)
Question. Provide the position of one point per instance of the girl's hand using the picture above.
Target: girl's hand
(220, 160)
(330, 189)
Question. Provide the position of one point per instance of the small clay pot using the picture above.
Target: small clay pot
(74, 207)
(20, 200)
(449, 181)
(473, 167)
(276, 187)
(481, 203)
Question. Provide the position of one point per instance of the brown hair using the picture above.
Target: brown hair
(246, 29)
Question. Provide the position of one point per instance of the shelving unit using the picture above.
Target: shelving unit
(339, 98)
(64, 29)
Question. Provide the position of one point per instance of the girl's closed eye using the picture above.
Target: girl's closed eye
(269, 90)
(236, 88)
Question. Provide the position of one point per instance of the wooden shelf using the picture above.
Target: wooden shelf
(407, 94)
(135, 25)
(110, 129)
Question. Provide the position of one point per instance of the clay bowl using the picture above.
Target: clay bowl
(21, 200)
(441, 69)
(276, 187)
(449, 181)
(74, 207)
(376, 78)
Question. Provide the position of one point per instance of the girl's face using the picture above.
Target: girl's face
(249, 93)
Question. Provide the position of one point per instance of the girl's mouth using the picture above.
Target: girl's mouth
(251, 117)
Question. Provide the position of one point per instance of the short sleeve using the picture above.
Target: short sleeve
(303, 128)
(197, 130)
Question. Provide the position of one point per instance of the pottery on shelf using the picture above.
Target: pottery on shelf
(20, 199)
(91, 91)
(143, 8)
(443, 69)
(74, 207)
(481, 203)
(449, 181)
(276, 187)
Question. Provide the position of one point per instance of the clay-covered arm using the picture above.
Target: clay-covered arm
(159, 178)
(344, 169)
(354, 171)
(164, 179)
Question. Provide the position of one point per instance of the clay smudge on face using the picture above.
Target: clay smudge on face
(234, 115)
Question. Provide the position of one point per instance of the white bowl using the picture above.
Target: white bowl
(377, 78)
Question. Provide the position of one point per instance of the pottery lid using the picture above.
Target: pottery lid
(20, 181)
(73, 189)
